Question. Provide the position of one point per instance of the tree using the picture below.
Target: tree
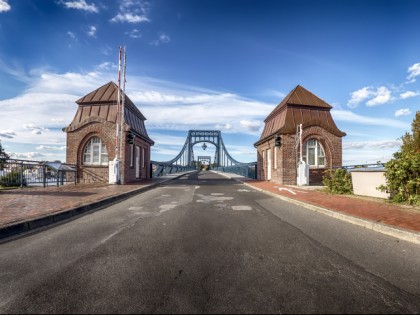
(411, 142)
(403, 171)
(3, 156)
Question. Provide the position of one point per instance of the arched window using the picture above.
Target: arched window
(313, 153)
(95, 152)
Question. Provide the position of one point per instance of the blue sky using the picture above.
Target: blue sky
(210, 65)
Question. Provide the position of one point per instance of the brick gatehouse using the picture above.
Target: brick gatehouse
(322, 140)
(91, 138)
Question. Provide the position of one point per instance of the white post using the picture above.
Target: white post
(115, 165)
(300, 142)
(302, 167)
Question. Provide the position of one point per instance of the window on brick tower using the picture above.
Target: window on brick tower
(95, 152)
(313, 153)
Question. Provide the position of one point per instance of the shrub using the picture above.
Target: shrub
(403, 171)
(338, 181)
(12, 179)
(403, 177)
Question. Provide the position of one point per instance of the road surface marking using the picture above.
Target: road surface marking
(241, 208)
(135, 208)
(164, 208)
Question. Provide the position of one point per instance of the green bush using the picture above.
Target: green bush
(338, 181)
(403, 171)
(403, 177)
(12, 179)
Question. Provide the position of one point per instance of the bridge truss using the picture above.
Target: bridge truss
(185, 160)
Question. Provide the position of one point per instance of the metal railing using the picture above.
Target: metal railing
(164, 168)
(244, 169)
(20, 173)
(363, 166)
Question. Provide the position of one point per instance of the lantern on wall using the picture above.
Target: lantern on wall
(277, 141)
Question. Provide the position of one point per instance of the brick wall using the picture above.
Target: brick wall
(80, 136)
(76, 142)
(129, 161)
(286, 171)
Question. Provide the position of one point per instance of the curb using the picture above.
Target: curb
(401, 234)
(14, 230)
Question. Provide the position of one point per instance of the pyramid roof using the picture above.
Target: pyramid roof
(300, 106)
(102, 104)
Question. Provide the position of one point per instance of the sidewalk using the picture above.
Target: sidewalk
(23, 210)
(399, 221)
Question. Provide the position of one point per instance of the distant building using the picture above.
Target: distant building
(322, 140)
(91, 138)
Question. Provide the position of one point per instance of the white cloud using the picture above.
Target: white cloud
(348, 116)
(132, 11)
(71, 34)
(382, 96)
(359, 96)
(413, 72)
(372, 144)
(50, 148)
(107, 66)
(106, 50)
(81, 5)
(9, 133)
(252, 125)
(241, 151)
(135, 33)
(4, 6)
(226, 126)
(45, 111)
(49, 104)
(379, 96)
(200, 111)
(167, 139)
(26, 155)
(162, 39)
(402, 112)
(35, 130)
(408, 94)
(130, 18)
(92, 31)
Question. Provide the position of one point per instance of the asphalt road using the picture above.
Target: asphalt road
(207, 244)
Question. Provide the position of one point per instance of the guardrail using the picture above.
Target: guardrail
(363, 166)
(20, 173)
(163, 168)
(244, 169)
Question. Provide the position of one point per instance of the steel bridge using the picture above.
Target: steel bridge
(185, 160)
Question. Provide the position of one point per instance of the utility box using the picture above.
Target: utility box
(302, 174)
(114, 172)
(366, 183)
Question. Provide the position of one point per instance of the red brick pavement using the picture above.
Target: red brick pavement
(24, 204)
(366, 208)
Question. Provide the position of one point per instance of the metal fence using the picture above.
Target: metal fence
(246, 169)
(375, 166)
(162, 168)
(20, 173)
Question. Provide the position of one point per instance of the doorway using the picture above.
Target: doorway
(269, 164)
(137, 161)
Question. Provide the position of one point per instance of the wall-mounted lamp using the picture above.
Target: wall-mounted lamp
(204, 146)
(277, 141)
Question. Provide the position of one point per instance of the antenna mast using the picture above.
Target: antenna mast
(123, 103)
(117, 133)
